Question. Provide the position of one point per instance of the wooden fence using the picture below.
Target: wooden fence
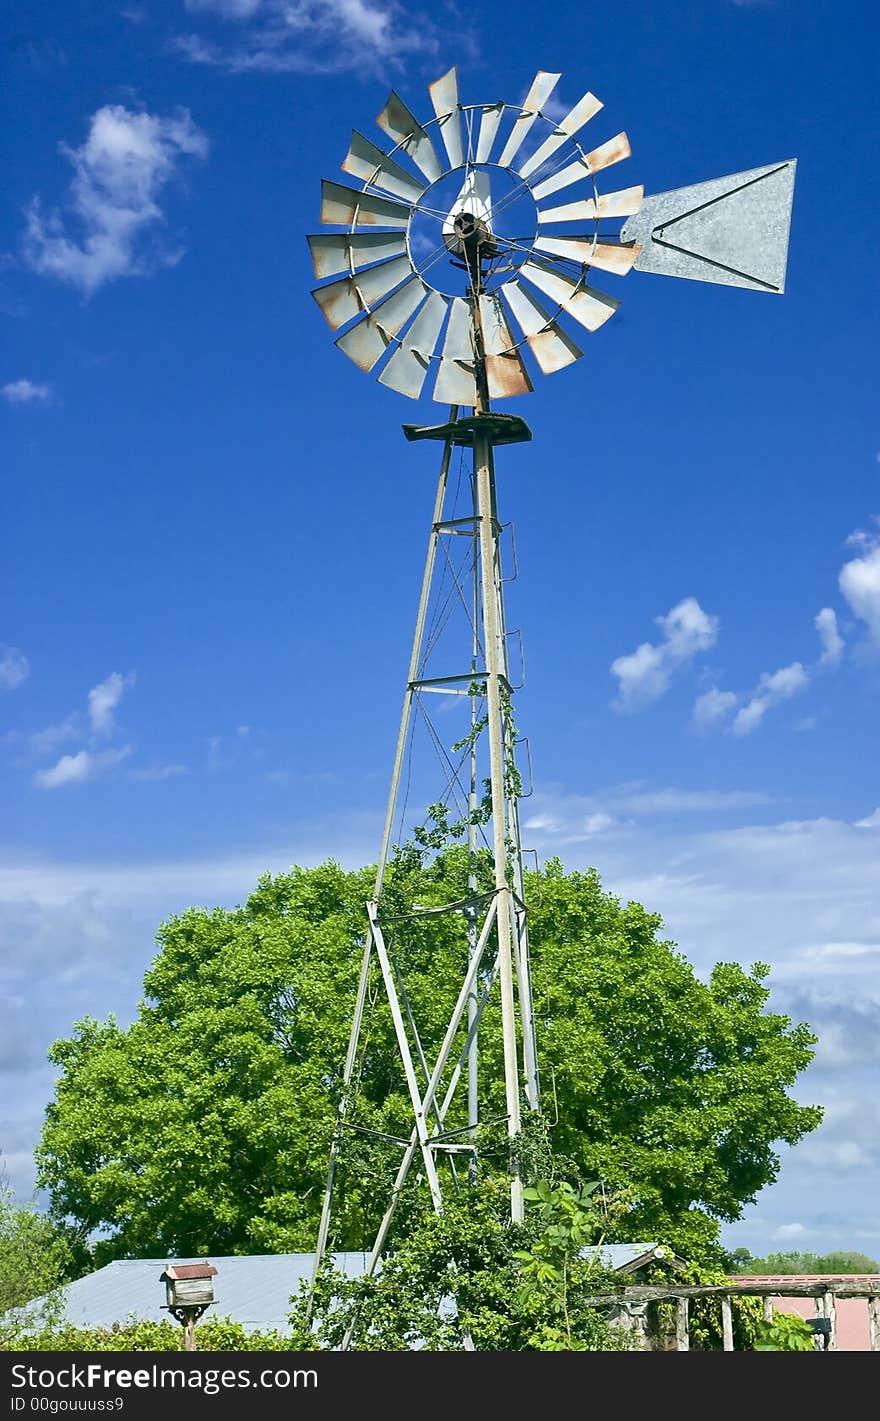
(631, 1305)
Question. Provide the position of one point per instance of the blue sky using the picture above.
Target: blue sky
(214, 530)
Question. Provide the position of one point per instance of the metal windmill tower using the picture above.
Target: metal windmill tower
(448, 262)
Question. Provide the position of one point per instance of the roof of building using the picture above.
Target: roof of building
(253, 1290)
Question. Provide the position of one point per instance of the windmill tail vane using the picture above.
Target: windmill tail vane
(461, 263)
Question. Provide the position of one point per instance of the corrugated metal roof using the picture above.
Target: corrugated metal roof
(253, 1290)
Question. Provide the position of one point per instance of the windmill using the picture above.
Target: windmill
(463, 261)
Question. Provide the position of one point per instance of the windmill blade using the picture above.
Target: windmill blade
(489, 121)
(504, 368)
(444, 97)
(731, 230)
(367, 340)
(585, 109)
(364, 160)
(333, 252)
(543, 85)
(551, 346)
(343, 206)
(588, 307)
(614, 151)
(342, 300)
(401, 125)
(610, 204)
(608, 256)
(408, 367)
(455, 383)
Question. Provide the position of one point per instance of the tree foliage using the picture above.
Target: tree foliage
(835, 1264)
(204, 1126)
(470, 1278)
(35, 1255)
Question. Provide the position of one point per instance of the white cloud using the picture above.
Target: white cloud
(773, 687)
(713, 706)
(791, 1231)
(76, 769)
(14, 668)
(312, 36)
(872, 821)
(860, 582)
(103, 700)
(119, 171)
(829, 635)
(24, 392)
(645, 673)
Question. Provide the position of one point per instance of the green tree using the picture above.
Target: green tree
(834, 1264)
(204, 1126)
(35, 1255)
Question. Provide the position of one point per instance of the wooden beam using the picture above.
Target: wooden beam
(727, 1324)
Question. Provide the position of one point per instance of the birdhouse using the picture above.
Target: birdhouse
(189, 1285)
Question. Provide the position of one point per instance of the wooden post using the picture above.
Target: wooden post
(830, 1312)
(727, 1324)
(767, 1309)
(189, 1332)
(874, 1323)
(682, 1338)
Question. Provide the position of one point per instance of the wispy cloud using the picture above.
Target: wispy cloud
(44, 741)
(829, 635)
(14, 668)
(715, 708)
(308, 36)
(104, 699)
(158, 772)
(773, 687)
(860, 582)
(119, 172)
(76, 769)
(25, 392)
(645, 673)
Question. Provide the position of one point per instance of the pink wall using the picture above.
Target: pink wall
(853, 1334)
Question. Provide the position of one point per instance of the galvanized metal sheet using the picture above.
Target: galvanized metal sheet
(333, 252)
(455, 384)
(367, 340)
(585, 109)
(364, 160)
(496, 333)
(401, 125)
(408, 366)
(444, 97)
(608, 256)
(489, 121)
(340, 206)
(732, 230)
(458, 344)
(611, 204)
(588, 307)
(543, 85)
(551, 346)
(342, 300)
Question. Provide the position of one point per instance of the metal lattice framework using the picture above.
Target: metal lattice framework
(424, 274)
